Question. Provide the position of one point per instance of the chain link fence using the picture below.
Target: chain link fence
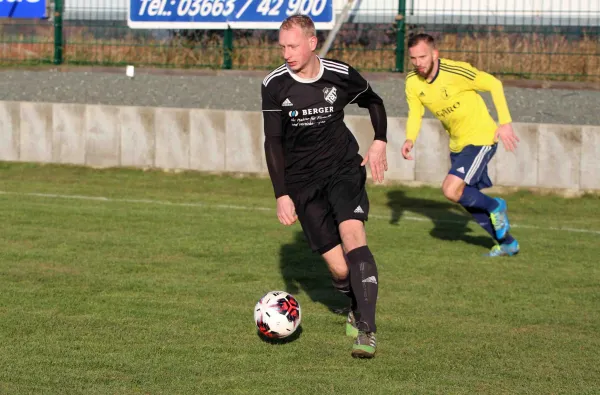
(542, 39)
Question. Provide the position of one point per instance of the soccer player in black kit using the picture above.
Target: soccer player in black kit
(317, 173)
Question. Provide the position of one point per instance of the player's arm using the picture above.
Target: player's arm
(485, 82)
(488, 83)
(361, 93)
(273, 141)
(413, 121)
(275, 156)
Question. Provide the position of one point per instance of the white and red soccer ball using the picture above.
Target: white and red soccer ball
(277, 314)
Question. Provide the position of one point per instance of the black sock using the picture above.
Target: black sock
(344, 287)
(364, 279)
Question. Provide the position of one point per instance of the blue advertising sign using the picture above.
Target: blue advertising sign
(30, 9)
(223, 14)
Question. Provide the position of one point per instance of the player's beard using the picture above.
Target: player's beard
(427, 72)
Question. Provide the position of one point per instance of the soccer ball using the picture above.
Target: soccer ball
(277, 314)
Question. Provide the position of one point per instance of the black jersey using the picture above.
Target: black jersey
(307, 115)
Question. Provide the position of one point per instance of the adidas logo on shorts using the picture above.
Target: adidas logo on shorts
(358, 210)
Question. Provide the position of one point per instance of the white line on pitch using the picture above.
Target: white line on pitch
(239, 207)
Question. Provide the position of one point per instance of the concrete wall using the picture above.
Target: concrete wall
(549, 156)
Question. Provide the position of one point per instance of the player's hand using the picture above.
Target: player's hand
(507, 135)
(377, 159)
(286, 211)
(406, 148)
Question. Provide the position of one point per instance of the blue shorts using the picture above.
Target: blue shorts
(471, 164)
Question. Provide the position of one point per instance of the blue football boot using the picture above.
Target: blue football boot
(507, 249)
(499, 219)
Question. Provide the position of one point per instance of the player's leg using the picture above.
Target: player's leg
(365, 282)
(507, 247)
(348, 197)
(463, 184)
(454, 187)
(337, 262)
(363, 272)
(504, 247)
(315, 217)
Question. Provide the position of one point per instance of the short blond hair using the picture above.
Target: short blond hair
(302, 21)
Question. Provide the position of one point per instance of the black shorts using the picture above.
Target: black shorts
(323, 205)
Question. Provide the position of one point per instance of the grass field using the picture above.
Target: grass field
(133, 282)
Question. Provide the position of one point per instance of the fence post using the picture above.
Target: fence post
(58, 31)
(400, 31)
(227, 48)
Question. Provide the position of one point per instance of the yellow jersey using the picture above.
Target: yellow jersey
(452, 97)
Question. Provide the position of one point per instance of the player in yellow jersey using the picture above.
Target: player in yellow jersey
(449, 90)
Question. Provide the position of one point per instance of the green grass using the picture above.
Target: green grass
(124, 296)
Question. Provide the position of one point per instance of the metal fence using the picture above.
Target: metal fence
(545, 39)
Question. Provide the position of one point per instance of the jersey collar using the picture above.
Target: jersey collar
(436, 73)
(307, 80)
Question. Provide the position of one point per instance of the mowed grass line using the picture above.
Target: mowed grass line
(115, 297)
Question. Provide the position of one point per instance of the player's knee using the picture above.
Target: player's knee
(353, 234)
(452, 192)
(339, 272)
(453, 188)
(352, 243)
(336, 260)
